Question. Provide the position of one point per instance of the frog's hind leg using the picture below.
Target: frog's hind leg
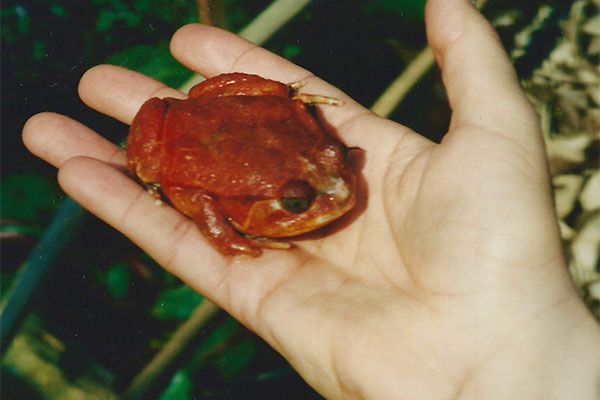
(205, 211)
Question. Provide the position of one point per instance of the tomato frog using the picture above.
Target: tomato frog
(245, 158)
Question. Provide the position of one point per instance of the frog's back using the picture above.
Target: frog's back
(239, 145)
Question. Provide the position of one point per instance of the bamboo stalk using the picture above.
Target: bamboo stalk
(398, 89)
(272, 19)
(150, 374)
(31, 274)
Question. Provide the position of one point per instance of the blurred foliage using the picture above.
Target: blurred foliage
(565, 92)
(107, 308)
(176, 303)
(407, 9)
(29, 197)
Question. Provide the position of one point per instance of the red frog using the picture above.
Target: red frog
(245, 158)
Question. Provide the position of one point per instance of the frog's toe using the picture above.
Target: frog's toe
(267, 243)
(317, 99)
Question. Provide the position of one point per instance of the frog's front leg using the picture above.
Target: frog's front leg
(205, 211)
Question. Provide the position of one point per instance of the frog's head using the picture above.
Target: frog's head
(323, 190)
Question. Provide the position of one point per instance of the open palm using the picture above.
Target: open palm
(450, 267)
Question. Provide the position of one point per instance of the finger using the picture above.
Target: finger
(210, 51)
(120, 92)
(160, 230)
(56, 138)
(480, 80)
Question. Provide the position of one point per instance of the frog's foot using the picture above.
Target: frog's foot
(206, 212)
(153, 190)
(312, 98)
(267, 243)
(317, 99)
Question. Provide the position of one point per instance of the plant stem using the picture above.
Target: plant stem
(163, 362)
(12, 310)
(394, 94)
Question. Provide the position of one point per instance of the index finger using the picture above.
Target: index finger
(210, 51)
(120, 92)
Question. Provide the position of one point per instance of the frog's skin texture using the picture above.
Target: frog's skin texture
(245, 159)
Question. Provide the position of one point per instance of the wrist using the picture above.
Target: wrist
(554, 357)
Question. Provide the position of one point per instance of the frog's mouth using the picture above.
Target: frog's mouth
(269, 218)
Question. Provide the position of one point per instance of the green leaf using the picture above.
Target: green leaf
(28, 197)
(176, 303)
(117, 11)
(58, 10)
(179, 388)
(39, 50)
(6, 278)
(234, 359)
(118, 280)
(409, 9)
(213, 343)
(105, 20)
(290, 51)
(23, 19)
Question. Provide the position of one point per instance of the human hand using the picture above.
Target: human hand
(450, 283)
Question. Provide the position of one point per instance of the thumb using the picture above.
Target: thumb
(482, 86)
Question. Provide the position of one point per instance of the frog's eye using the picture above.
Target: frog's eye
(296, 196)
